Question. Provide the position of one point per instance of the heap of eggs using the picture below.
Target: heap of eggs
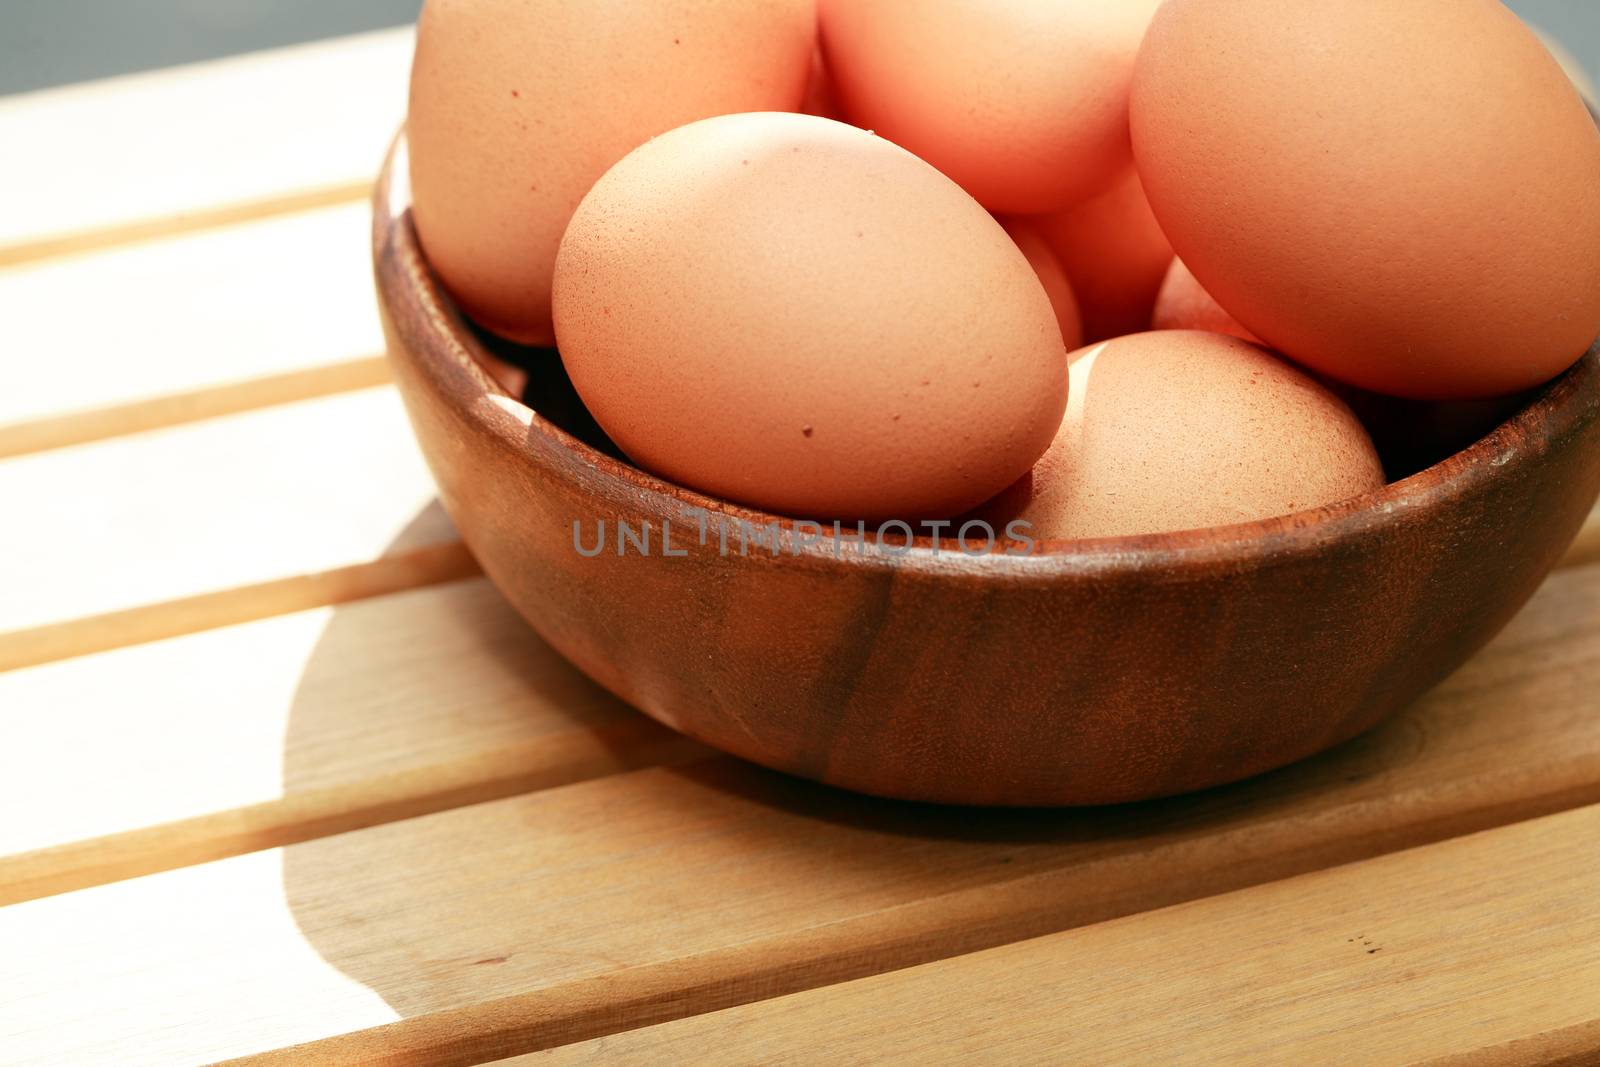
(840, 258)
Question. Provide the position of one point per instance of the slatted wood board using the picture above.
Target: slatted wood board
(284, 780)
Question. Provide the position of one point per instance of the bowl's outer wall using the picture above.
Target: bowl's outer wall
(1045, 681)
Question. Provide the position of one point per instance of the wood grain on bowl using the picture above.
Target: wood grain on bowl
(1085, 673)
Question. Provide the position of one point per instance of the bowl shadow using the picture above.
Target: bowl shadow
(382, 922)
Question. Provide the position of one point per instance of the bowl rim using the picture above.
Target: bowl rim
(403, 274)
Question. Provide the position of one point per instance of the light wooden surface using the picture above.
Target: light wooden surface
(1586, 549)
(285, 779)
(213, 507)
(250, 736)
(187, 327)
(1487, 946)
(635, 897)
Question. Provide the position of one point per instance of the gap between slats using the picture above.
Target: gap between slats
(504, 771)
(189, 222)
(174, 618)
(231, 320)
(83, 427)
(304, 725)
(192, 527)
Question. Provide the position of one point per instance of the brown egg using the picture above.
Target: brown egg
(1413, 435)
(518, 106)
(821, 99)
(792, 313)
(1181, 430)
(1404, 196)
(1184, 304)
(1023, 102)
(1054, 279)
(1115, 255)
(1410, 435)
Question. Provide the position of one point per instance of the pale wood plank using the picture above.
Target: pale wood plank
(191, 405)
(253, 736)
(190, 327)
(611, 904)
(1586, 549)
(201, 145)
(1485, 947)
(214, 522)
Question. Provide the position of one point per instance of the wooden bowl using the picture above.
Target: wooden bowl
(1088, 673)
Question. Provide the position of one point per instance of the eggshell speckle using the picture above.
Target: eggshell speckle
(1404, 196)
(1115, 255)
(518, 106)
(1184, 304)
(1042, 258)
(1023, 102)
(792, 313)
(1181, 430)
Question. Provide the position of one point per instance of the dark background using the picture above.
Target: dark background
(1575, 23)
(52, 42)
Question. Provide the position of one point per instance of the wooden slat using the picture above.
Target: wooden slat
(610, 904)
(253, 736)
(189, 147)
(187, 328)
(1485, 948)
(1586, 549)
(220, 521)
